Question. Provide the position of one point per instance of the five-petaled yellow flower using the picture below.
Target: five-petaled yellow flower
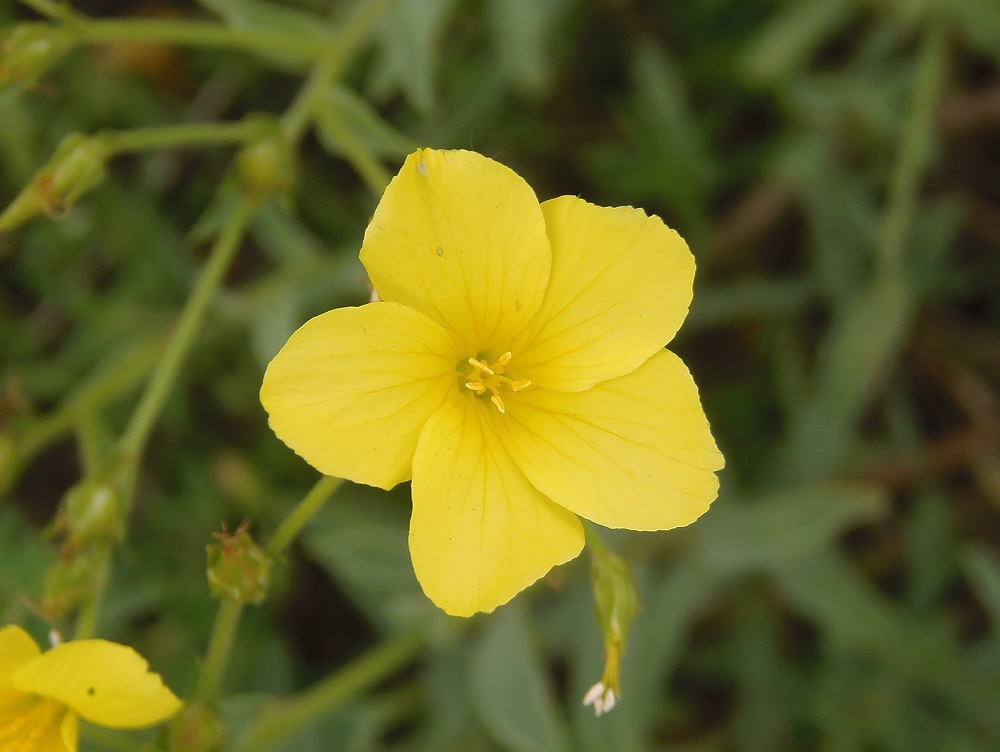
(43, 695)
(514, 368)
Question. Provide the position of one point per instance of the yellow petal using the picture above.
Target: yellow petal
(106, 683)
(619, 289)
(16, 648)
(461, 239)
(633, 452)
(352, 388)
(480, 533)
(70, 732)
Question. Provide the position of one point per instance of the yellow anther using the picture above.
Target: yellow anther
(481, 365)
(487, 377)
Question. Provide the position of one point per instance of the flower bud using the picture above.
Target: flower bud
(75, 168)
(27, 50)
(266, 166)
(91, 511)
(197, 728)
(617, 604)
(238, 569)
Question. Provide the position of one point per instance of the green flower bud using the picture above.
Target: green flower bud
(267, 166)
(197, 728)
(238, 569)
(29, 49)
(617, 603)
(91, 511)
(75, 168)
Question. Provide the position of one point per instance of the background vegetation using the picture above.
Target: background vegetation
(835, 167)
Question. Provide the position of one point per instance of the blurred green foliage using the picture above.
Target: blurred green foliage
(833, 164)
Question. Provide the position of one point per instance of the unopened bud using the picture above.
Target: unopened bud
(197, 728)
(75, 168)
(92, 511)
(238, 569)
(266, 166)
(617, 603)
(27, 50)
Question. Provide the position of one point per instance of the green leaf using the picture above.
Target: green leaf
(785, 43)
(409, 45)
(866, 337)
(777, 531)
(510, 688)
(825, 588)
(982, 567)
(364, 123)
(522, 30)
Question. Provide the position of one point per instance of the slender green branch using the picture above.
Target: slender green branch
(86, 623)
(158, 389)
(220, 647)
(142, 139)
(350, 38)
(303, 512)
(360, 674)
(201, 34)
(914, 150)
(133, 439)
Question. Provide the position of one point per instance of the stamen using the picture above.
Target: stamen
(481, 365)
(488, 377)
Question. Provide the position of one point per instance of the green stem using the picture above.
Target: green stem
(593, 538)
(158, 389)
(86, 623)
(303, 512)
(220, 647)
(306, 707)
(141, 139)
(914, 150)
(200, 34)
(221, 643)
(350, 38)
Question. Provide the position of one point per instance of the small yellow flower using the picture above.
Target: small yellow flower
(43, 695)
(515, 371)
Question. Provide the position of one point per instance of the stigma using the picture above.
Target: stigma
(488, 377)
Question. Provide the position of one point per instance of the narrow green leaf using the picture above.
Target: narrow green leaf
(779, 530)
(784, 44)
(510, 687)
(982, 567)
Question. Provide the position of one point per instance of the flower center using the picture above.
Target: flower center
(488, 377)
(31, 724)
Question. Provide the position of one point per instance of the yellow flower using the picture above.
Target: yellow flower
(42, 695)
(515, 371)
